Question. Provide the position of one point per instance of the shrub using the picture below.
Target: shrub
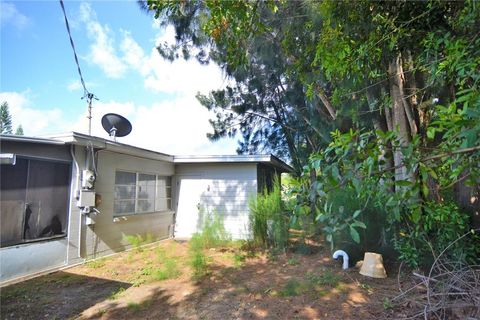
(213, 234)
(440, 225)
(268, 220)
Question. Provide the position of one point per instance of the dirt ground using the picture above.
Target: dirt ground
(239, 284)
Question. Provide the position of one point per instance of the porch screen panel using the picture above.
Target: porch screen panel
(34, 200)
(13, 183)
(47, 199)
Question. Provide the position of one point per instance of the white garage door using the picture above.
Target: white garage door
(227, 197)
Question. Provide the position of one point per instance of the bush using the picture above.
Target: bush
(268, 220)
(213, 234)
(440, 225)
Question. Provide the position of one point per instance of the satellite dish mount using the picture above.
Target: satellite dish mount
(116, 125)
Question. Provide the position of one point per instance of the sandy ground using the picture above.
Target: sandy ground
(238, 285)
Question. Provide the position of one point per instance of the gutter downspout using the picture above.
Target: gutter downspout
(77, 191)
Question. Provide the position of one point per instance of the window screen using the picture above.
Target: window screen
(125, 192)
(141, 193)
(34, 200)
(164, 194)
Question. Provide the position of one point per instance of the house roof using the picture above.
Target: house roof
(81, 139)
(75, 138)
(16, 138)
(265, 159)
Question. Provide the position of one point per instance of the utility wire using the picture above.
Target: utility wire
(86, 94)
(85, 91)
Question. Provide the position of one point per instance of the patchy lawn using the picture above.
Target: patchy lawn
(156, 283)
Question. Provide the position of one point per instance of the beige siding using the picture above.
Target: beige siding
(221, 188)
(106, 236)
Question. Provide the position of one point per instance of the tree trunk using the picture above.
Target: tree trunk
(373, 99)
(400, 122)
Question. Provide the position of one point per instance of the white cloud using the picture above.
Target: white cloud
(180, 76)
(102, 51)
(75, 85)
(175, 127)
(34, 121)
(160, 76)
(10, 15)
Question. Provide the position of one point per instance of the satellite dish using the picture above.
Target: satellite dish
(116, 125)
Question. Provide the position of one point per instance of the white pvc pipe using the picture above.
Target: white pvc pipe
(344, 255)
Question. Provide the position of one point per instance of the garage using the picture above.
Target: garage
(221, 185)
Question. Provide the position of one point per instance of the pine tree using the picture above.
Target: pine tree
(19, 131)
(5, 119)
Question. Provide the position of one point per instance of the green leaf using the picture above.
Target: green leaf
(356, 213)
(359, 224)
(329, 237)
(431, 133)
(335, 172)
(403, 183)
(354, 234)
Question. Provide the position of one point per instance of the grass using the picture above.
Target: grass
(116, 293)
(317, 284)
(213, 235)
(96, 264)
(137, 241)
(293, 287)
(326, 279)
(169, 270)
(293, 261)
(135, 306)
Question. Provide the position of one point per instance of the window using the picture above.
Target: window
(34, 200)
(141, 193)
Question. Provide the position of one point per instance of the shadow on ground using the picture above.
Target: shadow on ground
(60, 295)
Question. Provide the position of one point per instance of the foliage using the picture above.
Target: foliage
(137, 241)
(267, 218)
(396, 84)
(213, 234)
(5, 119)
(116, 293)
(19, 131)
(292, 287)
(325, 278)
(96, 264)
(197, 258)
(441, 224)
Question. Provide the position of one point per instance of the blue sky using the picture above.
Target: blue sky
(115, 43)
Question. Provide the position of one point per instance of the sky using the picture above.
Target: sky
(116, 46)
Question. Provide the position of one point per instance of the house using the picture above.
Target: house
(73, 197)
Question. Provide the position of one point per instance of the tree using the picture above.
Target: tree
(396, 83)
(19, 131)
(5, 119)
(265, 103)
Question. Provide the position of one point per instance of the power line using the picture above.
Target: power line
(86, 94)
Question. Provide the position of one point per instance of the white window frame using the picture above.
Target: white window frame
(168, 191)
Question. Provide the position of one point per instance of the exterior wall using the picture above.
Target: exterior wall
(26, 259)
(106, 236)
(221, 188)
(29, 258)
